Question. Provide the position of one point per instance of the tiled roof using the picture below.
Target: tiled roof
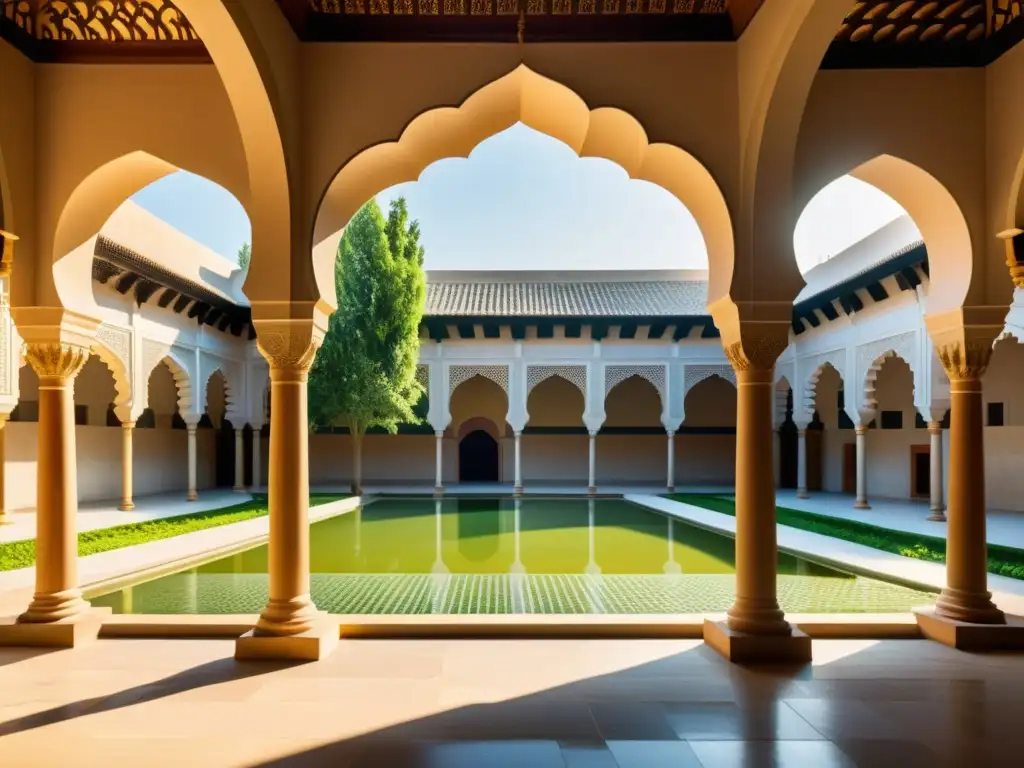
(566, 299)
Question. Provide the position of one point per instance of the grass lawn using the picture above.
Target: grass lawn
(21, 554)
(1005, 561)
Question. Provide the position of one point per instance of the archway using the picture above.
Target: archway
(828, 461)
(707, 439)
(631, 445)
(479, 404)
(479, 457)
(522, 96)
(898, 451)
(555, 439)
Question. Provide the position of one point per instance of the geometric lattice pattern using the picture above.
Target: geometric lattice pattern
(695, 374)
(507, 593)
(574, 374)
(457, 374)
(616, 374)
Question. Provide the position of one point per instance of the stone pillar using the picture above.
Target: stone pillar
(127, 502)
(518, 489)
(57, 349)
(193, 494)
(6, 518)
(862, 467)
(670, 482)
(756, 629)
(257, 455)
(801, 464)
(239, 461)
(439, 463)
(592, 464)
(936, 507)
(290, 626)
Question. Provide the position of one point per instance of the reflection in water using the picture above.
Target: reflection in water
(671, 567)
(479, 526)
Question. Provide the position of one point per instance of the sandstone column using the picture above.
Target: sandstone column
(592, 464)
(670, 483)
(518, 489)
(966, 597)
(937, 507)
(862, 467)
(193, 494)
(290, 626)
(5, 517)
(239, 461)
(439, 463)
(127, 502)
(801, 464)
(756, 629)
(57, 346)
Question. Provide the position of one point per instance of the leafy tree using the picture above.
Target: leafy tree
(244, 254)
(365, 372)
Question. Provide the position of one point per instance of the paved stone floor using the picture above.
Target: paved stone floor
(105, 514)
(522, 704)
(903, 515)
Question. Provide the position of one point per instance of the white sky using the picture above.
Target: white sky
(523, 200)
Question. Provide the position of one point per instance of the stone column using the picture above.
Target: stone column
(290, 626)
(6, 518)
(439, 463)
(966, 597)
(936, 507)
(257, 457)
(127, 502)
(670, 483)
(239, 461)
(193, 494)
(801, 464)
(861, 431)
(57, 349)
(756, 629)
(518, 489)
(592, 464)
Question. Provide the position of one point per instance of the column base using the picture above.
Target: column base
(239, 489)
(591, 491)
(741, 648)
(517, 491)
(803, 494)
(965, 636)
(126, 506)
(861, 505)
(670, 489)
(314, 644)
(438, 491)
(192, 496)
(937, 516)
(72, 632)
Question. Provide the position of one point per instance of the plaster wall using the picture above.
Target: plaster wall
(160, 462)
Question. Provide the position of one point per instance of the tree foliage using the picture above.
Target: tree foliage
(244, 254)
(364, 374)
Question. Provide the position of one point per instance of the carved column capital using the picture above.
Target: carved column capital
(289, 347)
(963, 340)
(56, 361)
(752, 347)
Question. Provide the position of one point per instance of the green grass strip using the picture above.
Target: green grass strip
(1004, 561)
(22, 554)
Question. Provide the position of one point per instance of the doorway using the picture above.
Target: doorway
(478, 458)
(920, 471)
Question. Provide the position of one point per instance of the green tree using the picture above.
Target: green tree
(365, 372)
(244, 254)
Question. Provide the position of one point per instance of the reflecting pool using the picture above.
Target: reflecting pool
(488, 555)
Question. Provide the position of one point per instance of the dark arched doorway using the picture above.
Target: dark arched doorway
(478, 458)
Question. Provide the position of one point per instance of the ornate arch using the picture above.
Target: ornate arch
(113, 346)
(816, 364)
(871, 357)
(208, 365)
(546, 106)
(653, 374)
(459, 374)
(695, 374)
(781, 390)
(574, 374)
(154, 353)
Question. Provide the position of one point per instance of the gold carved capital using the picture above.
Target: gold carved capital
(289, 346)
(55, 360)
(756, 346)
(965, 359)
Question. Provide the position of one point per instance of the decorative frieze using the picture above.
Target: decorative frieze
(695, 374)
(458, 374)
(616, 374)
(574, 374)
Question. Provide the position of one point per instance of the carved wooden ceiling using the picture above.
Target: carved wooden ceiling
(876, 33)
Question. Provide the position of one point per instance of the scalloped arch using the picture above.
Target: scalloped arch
(871, 375)
(182, 379)
(546, 106)
(810, 394)
(231, 410)
(123, 394)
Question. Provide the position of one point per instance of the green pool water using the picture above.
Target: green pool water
(485, 555)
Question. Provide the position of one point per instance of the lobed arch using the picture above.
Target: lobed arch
(868, 388)
(232, 390)
(810, 393)
(781, 390)
(549, 107)
(91, 204)
(124, 393)
(182, 380)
